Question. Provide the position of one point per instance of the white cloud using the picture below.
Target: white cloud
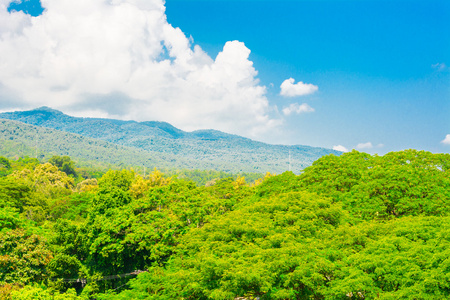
(297, 108)
(446, 141)
(289, 89)
(340, 148)
(439, 66)
(122, 59)
(363, 146)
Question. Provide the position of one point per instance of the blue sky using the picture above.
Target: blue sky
(372, 61)
(381, 69)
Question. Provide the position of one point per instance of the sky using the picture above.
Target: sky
(345, 74)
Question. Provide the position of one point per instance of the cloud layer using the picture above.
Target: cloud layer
(291, 89)
(121, 58)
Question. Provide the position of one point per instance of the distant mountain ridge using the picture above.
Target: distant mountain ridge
(225, 152)
(18, 139)
(51, 118)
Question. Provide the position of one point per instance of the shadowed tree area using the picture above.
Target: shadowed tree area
(64, 164)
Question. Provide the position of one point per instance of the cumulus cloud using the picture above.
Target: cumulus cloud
(364, 146)
(122, 59)
(289, 89)
(446, 141)
(340, 148)
(297, 108)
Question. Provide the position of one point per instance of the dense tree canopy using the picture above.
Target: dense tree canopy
(350, 227)
(64, 164)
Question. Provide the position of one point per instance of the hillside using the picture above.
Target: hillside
(204, 148)
(19, 139)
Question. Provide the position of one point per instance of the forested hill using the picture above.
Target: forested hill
(20, 140)
(207, 146)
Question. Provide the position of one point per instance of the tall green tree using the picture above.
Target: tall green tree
(64, 164)
(5, 166)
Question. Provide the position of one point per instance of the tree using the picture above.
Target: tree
(64, 164)
(268, 248)
(5, 166)
(14, 193)
(40, 292)
(118, 179)
(397, 184)
(24, 257)
(61, 267)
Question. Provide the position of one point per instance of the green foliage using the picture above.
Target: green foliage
(14, 194)
(45, 178)
(38, 292)
(149, 144)
(9, 218)
(4, 163)
(118, 179)
(275, 185)
(6, 290)
(350, 227)
(5, 166)
(64, 164)
(33, 190)
(74, 207)
(61, 267)
(235, 255)
(23, 257)
(70, 238)
(108, 199)
(397, 184)
(205, 177)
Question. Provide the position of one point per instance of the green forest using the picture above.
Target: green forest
(45, 132)
(354, 226)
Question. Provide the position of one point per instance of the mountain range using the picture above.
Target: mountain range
(150, 144)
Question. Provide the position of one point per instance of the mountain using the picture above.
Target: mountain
(18, 139)
(205, 148)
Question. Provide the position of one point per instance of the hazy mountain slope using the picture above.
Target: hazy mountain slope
(19, 139)
(210, 147)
